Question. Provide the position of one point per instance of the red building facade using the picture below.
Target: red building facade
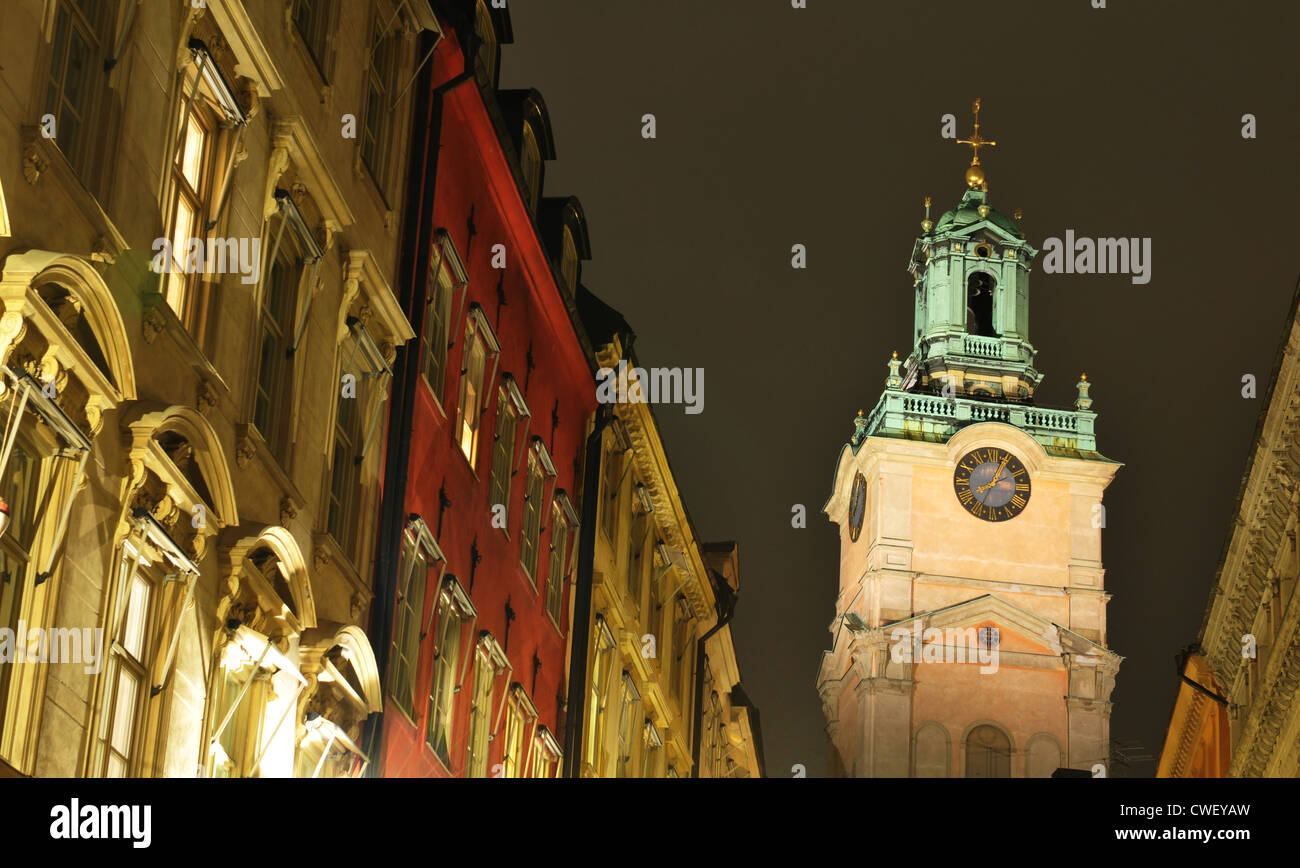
(491, 409)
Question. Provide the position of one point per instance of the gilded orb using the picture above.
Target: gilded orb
(984, 210)
(974, 177)
(925, 225)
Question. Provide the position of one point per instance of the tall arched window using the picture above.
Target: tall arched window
(988, 753)
(979, 305)
(530, 164)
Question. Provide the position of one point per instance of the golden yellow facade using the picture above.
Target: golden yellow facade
(1248, 649)
(657, 590)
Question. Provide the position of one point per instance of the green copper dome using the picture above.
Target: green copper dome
(968, 212)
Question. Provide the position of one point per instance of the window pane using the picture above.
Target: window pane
(124, 711)
(191, 153)
(137, 612)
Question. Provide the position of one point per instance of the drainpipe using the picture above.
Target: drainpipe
(421, 184)
(725, 605)
(580, 627)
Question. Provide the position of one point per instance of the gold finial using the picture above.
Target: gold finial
(859, 413)
(895, 355)
(1018, 214)
(975, 174)
(1083, 376)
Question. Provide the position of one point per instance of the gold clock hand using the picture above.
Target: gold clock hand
(996, 476)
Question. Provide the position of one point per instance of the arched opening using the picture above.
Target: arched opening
(988, 753)
(979, 305)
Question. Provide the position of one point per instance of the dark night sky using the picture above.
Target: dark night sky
(821, 126)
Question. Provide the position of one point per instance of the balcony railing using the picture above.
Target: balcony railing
(933, 417)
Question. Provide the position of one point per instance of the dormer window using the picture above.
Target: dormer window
(569, 262)
(530, 164)
(487, 45)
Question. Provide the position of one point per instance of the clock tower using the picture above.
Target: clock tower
(969, 637)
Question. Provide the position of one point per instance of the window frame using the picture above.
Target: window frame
(474, 376)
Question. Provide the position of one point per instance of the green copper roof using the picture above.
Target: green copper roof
(968, 213)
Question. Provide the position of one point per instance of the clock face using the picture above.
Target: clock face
(991, 484)
(857, 507)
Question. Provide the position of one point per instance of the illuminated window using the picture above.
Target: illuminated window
(489, 663)
(480, 345)
(627, 717)
(446, 276)
(564, 521)
(540, 472)
(511, 408)
(419, 552)
(454, 608)
(126, 672)
(652, 749)
(598, 696)
(520, 718)
(487, 49)
(569, 262)
(545, 755)
(23, 488)
(530, 160)
(191, 182)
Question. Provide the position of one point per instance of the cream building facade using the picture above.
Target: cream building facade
(192, 437)
(969, 637)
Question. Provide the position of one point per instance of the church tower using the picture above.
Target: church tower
(969, 637)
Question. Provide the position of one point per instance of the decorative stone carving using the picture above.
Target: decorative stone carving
(278, 162)
(249, 102)
(288, 511)
(206, 397)
(320, 556)
(356, 607)
(34, 163)
(152, 325)
(12, 329)
(245, 451)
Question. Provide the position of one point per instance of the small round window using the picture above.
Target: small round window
(983, 251)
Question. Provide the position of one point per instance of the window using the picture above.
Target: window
(510, 409)
(564, 521)
(446, 275)
(530, 164)
(487, 49)
(312, 20)
(629, 706)
(546, 754)
(381, 92)
(23, 490)
(454, 608)
(599, 693)
(72, 93)
(540, 471)
(681, 651)
(636, 540)
(989, 638)
(419, 552)
(480, 343)
(611, 484)
(988, 753)
(191, 180)
(362, 385)
(519, 720)
(342, 520)
(717, 736)
(569, 262)
(489, 663)
(979, 305)
(652, 748)
(274, 375)
(126, 673)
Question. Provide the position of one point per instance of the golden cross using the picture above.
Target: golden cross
(975, 141)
